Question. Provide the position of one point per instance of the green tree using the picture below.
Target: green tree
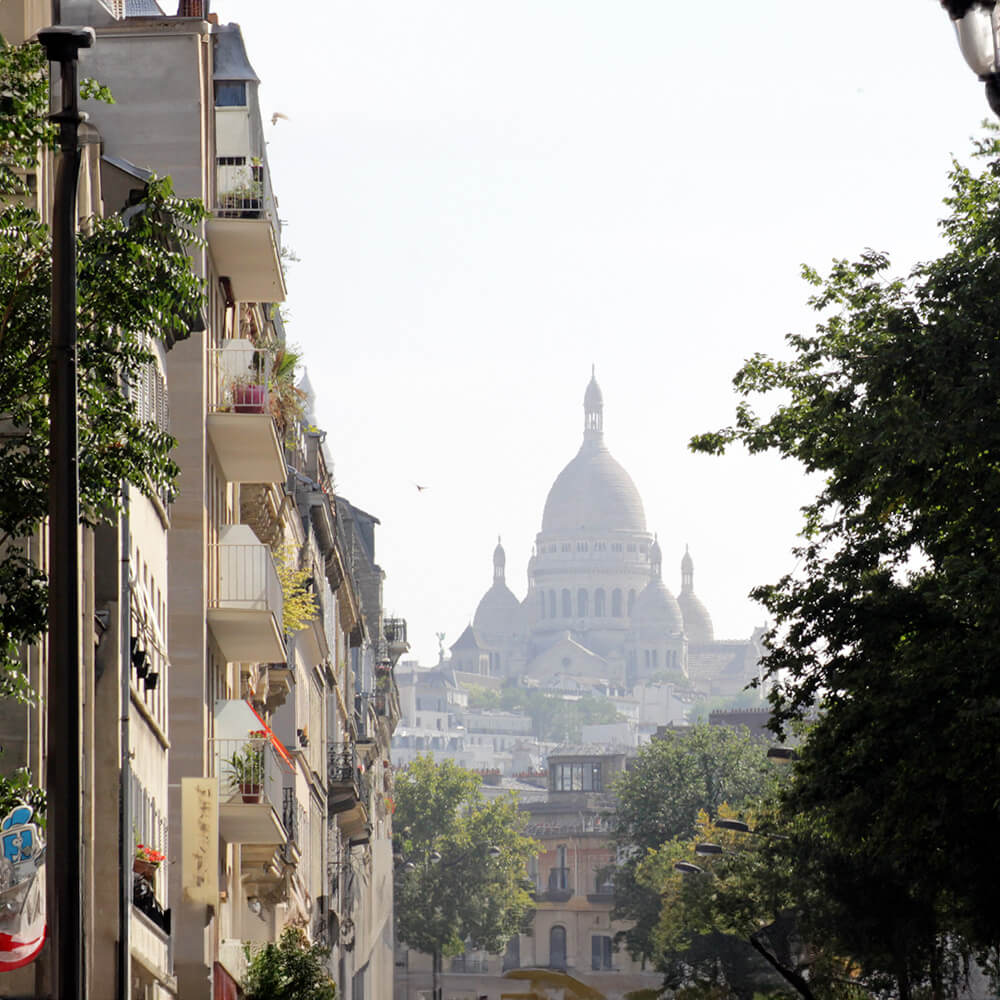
(890, 622)
(291, 969)
(135, 285)
(553, 717)
(659, 798)
(461, 861)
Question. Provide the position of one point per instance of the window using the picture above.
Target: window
(582, 777)
(581, 546)
(566, 547)
(631, 602)
(581, 603)
(616, 602)
(599, 609)
(600, 951)
(630, 547)
(541, 595)
(512, 956)
(230, 94)
(656, 657)
(552, 604)
(616, 546)
(557, 947)
(567, 604)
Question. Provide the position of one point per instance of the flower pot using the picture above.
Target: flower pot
(250, 398)
(144, 869)
(250, 790)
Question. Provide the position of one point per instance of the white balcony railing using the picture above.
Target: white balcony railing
(245, 604)
(240, 374)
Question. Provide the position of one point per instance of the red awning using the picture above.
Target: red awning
(275, 742)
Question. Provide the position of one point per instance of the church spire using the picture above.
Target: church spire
(593, 408)
(656, 560)
(687, 573)
(499, 562)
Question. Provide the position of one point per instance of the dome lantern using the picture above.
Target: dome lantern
(593, 408)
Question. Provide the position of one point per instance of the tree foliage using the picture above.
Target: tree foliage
(891, 621)
(291, 969)
(467, 893)
(659, 799)
(135, 285)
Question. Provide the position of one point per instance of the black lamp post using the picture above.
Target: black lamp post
(64, 753)
(977, 23)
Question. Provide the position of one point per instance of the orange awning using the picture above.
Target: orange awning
(275, 742)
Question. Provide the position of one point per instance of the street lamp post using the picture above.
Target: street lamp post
(977, 27)
(64, 751)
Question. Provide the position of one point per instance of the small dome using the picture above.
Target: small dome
(498, 611)
(697, 621)
(687, 563)
(656, 609)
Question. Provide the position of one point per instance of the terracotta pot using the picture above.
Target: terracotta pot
(144, 869)
(250, 398)
(250, 792)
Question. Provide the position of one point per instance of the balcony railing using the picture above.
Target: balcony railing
(558, 879)
(290, 813)
(243, 191)
(466, 963)
(246, 578)
(394, 630)
(145, 901)
(342, 765)
(250, 790)
(241, 374)
(240, 423)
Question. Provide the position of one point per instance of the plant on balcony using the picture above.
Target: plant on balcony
(291, 969)
(146, 861)
(245, 767)
(287, 399)
(299, 606)
(249, 394)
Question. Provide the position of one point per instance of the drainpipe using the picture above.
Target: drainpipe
(125, 848)
(64, 739)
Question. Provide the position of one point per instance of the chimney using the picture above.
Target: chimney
(192, 8)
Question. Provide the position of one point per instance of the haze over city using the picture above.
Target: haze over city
(486, 201)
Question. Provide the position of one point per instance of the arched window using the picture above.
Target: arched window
(557, 947)
(631, 602)
(581, 603)
(599, 609)
(567, 604)
(552, 604)
(616, 602)
(541, 594)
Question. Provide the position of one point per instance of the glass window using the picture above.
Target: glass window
(616, 603)
(567, 604)
(599, 610)
(581, 603)
(230, 94)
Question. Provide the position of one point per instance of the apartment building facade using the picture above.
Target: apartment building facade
(241, 696)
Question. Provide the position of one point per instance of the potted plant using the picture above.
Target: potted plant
(146, 861)
(245, 768)
(249, 395)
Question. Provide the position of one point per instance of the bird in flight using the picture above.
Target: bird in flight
(420, 489)
(277, 115)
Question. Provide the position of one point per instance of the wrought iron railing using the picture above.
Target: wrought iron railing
(394, 630)
(341, 764)
(289, 813)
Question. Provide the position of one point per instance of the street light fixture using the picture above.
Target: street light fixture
(733, 824)
(977, 27)
(687, 868)
(705, 850)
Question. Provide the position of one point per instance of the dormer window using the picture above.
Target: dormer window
(230, 94)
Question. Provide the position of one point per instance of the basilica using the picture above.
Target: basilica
(597, 608)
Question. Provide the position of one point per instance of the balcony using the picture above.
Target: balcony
(145, 901)
(250, 791)
(240, 425)
(245, 614)
(344, 787)
(244, 233)
(394, 630)
(559, 890)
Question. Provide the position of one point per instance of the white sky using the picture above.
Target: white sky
(487, 198)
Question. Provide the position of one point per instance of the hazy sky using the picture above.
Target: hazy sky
(487, 198)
